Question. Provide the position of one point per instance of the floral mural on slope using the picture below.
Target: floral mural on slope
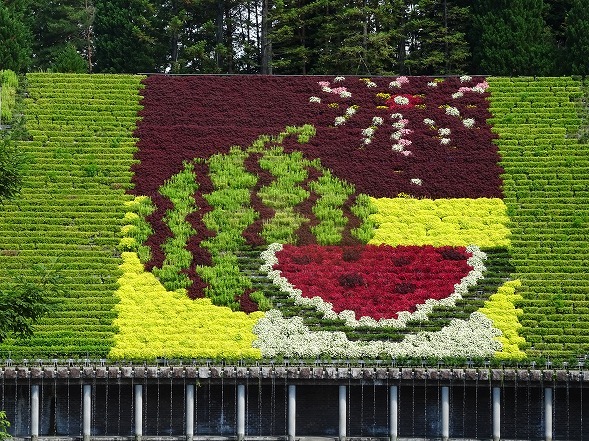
(279, 173)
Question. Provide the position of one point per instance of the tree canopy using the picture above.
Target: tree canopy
(363, 37)
(510, 37)
(577, 38)
(15, 50)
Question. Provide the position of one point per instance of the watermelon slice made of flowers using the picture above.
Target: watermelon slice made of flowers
(373, 281)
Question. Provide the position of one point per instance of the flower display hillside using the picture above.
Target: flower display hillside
(284, 195)
(231, 217)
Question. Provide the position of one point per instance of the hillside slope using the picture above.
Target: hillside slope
(546, 185)
(257, 217)
(67, 219)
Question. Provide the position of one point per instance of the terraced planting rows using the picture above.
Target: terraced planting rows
(546, 188)
(67, 218)
(264, 217)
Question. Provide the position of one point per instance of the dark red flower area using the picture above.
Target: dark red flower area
(380, 282)
(198, 116)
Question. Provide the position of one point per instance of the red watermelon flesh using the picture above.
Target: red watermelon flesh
(374, 281)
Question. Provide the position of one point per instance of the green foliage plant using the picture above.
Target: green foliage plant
(180, 190)
(283, 194)
(230, 216)
(545, 194)
(9, 85)
(333, 194)
(4, 425)
(25, 300)
(62, 214)
(363, 209)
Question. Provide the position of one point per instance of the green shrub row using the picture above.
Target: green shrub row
(180, 190)
(283, 194)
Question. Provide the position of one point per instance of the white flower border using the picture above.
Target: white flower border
(278, 336)
(420, 314)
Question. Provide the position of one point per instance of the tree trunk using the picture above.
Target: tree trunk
(228, 40)
(219, 33)
(90, 12)
(266, 44)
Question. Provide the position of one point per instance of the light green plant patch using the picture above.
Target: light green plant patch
(363, 209)
(333, 193)
(283, 193)
(180, 189)
(230, 216)
(136, 230)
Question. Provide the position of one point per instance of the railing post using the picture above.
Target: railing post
(240, 412)
(342, 412)
(496, 414)
(189, 412)
(292, 411)
(87, 412)
(138, 412)
(548, 413)
(34, 412)
(394, 413)
(445, 413)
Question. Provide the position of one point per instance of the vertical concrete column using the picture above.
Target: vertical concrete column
(496, 414)
(394, 413)
(138, 411)
(292, 411)
(35, 412)
(86, 412)
(189, 412)
(241, 412)
(343, 395)
(445, 413)
(548, 413)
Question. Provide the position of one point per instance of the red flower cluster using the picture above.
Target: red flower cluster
(375, 281)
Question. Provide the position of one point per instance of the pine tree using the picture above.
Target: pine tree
(293, 34)
(436, 38)
(360, 37)
(127, 36)
(211, 36)
(556, 13)
(577, 38)
(15, 49)
(510, 37)
(55, 25)
(70, 61)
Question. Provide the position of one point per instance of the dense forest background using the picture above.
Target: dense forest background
(363, 37)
